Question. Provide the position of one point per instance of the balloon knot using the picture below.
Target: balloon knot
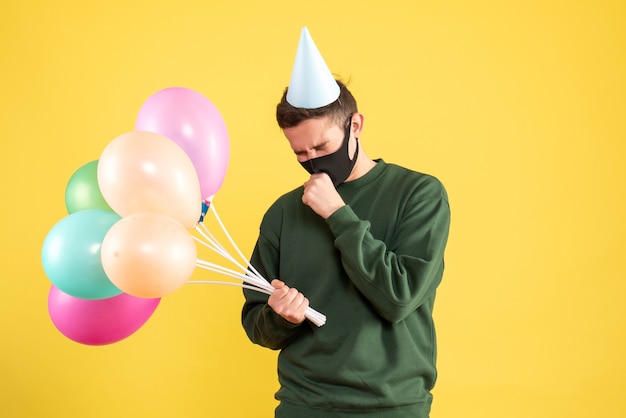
(205, 208)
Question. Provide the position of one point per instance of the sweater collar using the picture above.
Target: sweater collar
(366, 179)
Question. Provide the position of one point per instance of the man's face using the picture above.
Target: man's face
(313, 138)
(321, 147)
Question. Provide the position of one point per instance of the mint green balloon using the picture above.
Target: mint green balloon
(82, 191)
(71, 254)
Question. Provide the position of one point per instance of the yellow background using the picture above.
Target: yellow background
(519, 107)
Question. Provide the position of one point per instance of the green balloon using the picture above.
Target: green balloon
(82, 191)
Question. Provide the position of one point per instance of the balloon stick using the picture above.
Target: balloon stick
(250, 275)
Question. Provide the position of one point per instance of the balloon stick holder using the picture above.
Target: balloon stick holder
(245, 271)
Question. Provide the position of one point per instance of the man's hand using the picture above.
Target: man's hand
(288, 302)
(321, 196)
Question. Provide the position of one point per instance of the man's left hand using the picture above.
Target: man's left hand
(321, 196)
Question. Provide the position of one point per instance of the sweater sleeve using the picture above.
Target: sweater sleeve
(398, 276)
(262, 325)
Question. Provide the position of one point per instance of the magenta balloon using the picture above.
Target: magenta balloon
(194, 123)
(98, 322)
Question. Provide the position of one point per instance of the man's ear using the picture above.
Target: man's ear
(357, 124)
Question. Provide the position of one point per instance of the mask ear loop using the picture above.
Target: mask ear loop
(348, 128)
(347, 140)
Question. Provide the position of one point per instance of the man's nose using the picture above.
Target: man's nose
(310, 154)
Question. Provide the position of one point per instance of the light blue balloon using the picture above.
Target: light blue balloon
(71, 254)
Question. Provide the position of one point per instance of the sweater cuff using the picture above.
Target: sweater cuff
(342, 220)
(280, 321)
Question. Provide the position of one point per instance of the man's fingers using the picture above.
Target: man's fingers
(277, 284)
(288, 302)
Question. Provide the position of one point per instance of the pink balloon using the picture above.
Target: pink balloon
(98, 322)
(194, 123)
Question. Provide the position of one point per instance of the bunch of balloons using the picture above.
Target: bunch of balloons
(126, 242)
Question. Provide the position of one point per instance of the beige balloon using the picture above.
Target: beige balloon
(148, 254)
(147, 172)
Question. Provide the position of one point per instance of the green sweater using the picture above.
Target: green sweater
(372, 268)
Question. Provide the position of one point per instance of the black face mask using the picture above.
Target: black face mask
(337, 165)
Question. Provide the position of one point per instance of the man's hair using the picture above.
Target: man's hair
(338, 111)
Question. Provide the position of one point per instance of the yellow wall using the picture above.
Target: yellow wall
(518, 106)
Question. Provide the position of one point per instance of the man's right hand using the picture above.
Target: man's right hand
(288, 302)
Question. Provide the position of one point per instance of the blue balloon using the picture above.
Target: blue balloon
(71, 254)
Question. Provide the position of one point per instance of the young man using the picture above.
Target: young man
(364, 241)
